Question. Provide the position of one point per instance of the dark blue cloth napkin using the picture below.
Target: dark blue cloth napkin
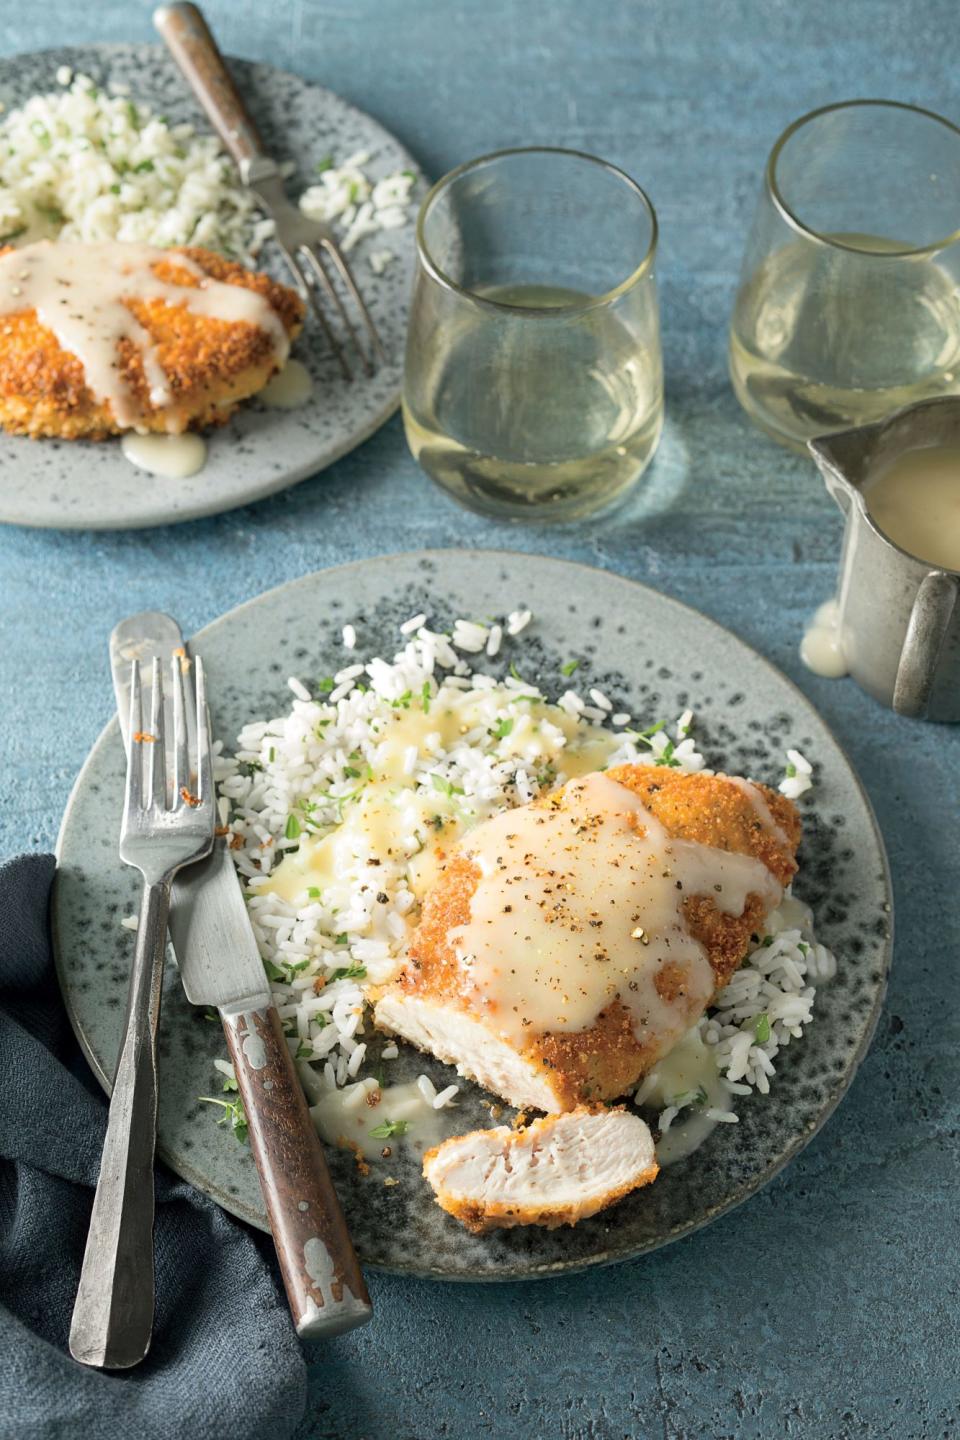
(225, 1363)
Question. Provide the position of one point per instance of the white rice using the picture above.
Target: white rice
(301, 776)
(87, 165)
(798, 777)
(360, 206)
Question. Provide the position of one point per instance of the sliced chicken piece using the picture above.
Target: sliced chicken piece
(569, 944)
(556, 1171)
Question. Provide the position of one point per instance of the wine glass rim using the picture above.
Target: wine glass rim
(589, 302)
(793, 219)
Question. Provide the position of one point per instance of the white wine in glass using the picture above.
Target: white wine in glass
(527, 395)
(849, 303)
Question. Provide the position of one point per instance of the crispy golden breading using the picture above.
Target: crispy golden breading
(211, 365)
(604, 1061)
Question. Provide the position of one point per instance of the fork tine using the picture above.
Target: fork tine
(346, 275)
(204, 764)
(317, 309)
(181, 749)
(156, 755)
(318, 270)
(134, 787)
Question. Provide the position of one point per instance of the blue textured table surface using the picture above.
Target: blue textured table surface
(827, 1307)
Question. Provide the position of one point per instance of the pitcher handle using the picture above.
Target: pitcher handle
(931, 614)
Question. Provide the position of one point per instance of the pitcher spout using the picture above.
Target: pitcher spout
(844, 459)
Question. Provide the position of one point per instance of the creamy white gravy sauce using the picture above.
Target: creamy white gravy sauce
(821, 648)
(173, 457)
(348, 1115)
(580, 903)
(689, 1067)
(916, 502)
(289, 389)
(394, 806)
(78, 292)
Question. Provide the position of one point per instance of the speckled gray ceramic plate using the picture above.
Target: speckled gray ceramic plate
(91, 486)
(654, 658)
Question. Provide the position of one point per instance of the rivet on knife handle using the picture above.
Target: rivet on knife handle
(191, 44)
(322, 1275)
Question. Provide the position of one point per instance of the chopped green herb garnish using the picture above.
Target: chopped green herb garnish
(144, 168)
(272, 753)
(349, 972)
(569, 668)
(445, 787)
(402, 702)
(388, 1128)
(515, 672)
(767, 941)
(229, 1084)
(212, 1016)
(326, 684)
(790, 770)
(325, 164)
(341, 939)
(646, 735)
(690, 1097)
(666, 756)
(304, 1051)
(41, 132)
(292, 829)
(761, 1028)
(425, 697)
(233, 1115)
(351, 772)
(313, 891)
(803, 947)
(502, 729)
(274, 972)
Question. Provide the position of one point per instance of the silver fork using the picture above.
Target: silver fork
(113, 1312)
(308, 246)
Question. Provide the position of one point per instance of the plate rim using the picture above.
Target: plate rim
(182, 1166)
(203, 509)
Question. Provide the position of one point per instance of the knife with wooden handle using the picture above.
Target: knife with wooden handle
(220, 965)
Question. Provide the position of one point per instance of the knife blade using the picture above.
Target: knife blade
(220, 965)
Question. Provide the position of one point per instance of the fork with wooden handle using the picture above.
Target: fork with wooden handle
(308, 246)
(113, 1313)
(219, 965)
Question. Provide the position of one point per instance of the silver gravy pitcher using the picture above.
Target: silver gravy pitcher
(899, 616)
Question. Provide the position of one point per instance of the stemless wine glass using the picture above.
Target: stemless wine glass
(849, 306)
(534, 381)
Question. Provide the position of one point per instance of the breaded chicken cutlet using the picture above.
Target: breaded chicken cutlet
(96, 340)
(556, 1171)
(570, 943)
